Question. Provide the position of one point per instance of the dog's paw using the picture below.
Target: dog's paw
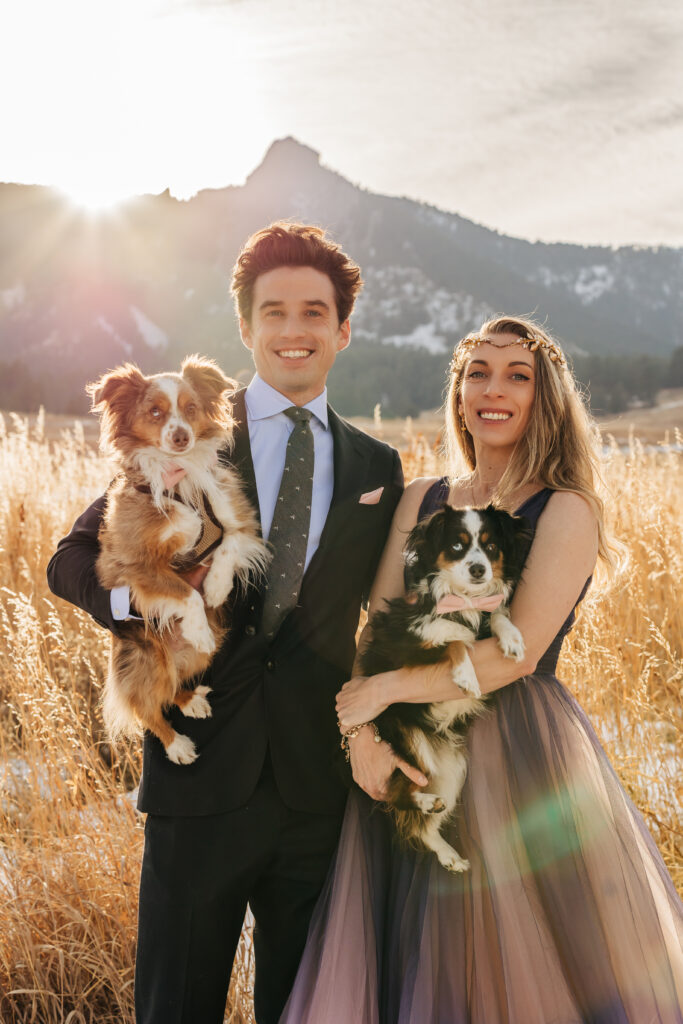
(199, 635)
(510, 639)
(465, 677)
(195, 627)
(217, 587)
(452, 861)
(199, 706)
(429, 803)
(181, 750)
(445, 854)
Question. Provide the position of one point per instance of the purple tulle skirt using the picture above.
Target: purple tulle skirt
(567, 914)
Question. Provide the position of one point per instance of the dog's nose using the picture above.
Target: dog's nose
(180, 438)
(477, 570)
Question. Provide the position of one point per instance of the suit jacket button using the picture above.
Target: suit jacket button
(250, 630)
(270, 664)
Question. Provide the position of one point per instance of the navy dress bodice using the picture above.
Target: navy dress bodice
(567, 913)
(436, 497)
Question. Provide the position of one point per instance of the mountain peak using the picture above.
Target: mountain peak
(287, 157)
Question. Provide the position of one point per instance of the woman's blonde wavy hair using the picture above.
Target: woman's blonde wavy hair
(560, 446)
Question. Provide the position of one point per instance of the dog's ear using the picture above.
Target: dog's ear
(212, 387)
(115, 396)
(516, 536)
(412, 560)
(435, 527)
(423, 545)
(116, 387)
(206, 376)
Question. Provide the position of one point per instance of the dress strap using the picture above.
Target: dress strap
(533, 506)
(435, 496)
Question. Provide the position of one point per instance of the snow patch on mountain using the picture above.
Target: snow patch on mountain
(423, 336)
(402, 306)
(13, 297)
(593, 282)
(589, 283)
(456, 312)
(151, 333)
(53, 340)
(102, 322)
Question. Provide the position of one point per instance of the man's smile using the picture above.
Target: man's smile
(295, 353)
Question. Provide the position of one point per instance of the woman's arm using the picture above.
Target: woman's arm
(561, 559)
(388, 582)
(373, 763)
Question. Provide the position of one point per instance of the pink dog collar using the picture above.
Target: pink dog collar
(452, 603)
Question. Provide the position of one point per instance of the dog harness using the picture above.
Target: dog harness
(211, 534)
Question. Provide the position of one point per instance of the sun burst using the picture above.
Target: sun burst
(95, 197)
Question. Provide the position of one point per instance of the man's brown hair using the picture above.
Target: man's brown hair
(287, 244)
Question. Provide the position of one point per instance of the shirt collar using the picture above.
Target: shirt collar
(263, 401)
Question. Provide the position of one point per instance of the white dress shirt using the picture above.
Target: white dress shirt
(269, 431)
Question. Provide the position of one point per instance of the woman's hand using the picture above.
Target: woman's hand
(360, 700)
(363, 698)
(372, 765)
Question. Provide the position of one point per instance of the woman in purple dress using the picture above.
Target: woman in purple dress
(567, 914)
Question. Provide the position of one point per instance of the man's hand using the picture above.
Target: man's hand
(373, 763)
(172, 475)
(195, 577)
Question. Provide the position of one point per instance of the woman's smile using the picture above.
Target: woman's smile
(494, 415)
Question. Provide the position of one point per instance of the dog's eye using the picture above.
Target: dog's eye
(155, 412)
(457, 547)
(190, 410)
(491, 548)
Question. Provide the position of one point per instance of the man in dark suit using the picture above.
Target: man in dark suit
(256, 818)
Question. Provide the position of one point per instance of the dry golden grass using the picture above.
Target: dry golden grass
(70, 839)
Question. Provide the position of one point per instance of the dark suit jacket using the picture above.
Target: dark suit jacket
(277, 695)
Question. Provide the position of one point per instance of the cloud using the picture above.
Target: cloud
(517, 116)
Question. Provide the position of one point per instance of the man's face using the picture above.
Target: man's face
(294, 332)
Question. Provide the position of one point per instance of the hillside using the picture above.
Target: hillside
(149, 282)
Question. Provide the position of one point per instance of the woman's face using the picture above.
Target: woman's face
(498, 390)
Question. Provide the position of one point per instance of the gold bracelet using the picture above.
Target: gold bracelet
(351, 734)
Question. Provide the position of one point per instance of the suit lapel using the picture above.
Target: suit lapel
(240, 455)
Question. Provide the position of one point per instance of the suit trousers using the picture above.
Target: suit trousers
(198, 875)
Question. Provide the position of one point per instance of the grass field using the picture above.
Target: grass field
(649, 425)
(70, 839)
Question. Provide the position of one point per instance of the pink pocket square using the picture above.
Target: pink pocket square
(371, 497)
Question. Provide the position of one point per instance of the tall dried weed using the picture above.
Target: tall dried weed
(70, 838)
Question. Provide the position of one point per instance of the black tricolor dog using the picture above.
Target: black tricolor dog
(475, 555)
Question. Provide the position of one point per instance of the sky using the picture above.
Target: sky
(559, 120)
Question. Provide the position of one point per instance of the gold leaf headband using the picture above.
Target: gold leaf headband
(532, 342)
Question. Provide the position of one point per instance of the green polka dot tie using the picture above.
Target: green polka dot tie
(288, 536)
